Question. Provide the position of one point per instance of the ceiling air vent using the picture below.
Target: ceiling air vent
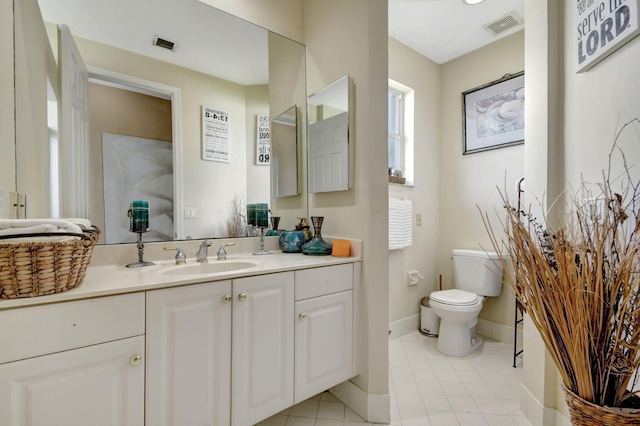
(164, 43)
(504, 23)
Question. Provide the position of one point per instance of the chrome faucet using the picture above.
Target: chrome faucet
(203, 251)
(181, 258)
(222, 253)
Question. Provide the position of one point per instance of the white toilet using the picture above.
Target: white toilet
(477, 275)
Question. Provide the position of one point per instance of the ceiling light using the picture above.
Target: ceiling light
(472, 1)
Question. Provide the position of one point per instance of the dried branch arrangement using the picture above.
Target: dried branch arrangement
(580, 285)
(237, 219)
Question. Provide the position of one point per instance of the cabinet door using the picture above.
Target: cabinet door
(323, 336)
(262, 347)
(189, 363)
(96, 385)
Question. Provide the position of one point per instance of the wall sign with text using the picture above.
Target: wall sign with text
(602, 26)
(263, 139)
(215, 135)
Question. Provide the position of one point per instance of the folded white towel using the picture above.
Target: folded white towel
(400, 223)
(81, 222)
(10, 227)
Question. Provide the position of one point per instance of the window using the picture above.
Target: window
(400, 128)
(395, 126)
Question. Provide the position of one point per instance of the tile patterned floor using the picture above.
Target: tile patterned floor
(430, 389)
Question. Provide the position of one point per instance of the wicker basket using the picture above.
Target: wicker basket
(585, 413)
(35, 268)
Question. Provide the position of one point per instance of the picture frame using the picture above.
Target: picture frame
(493, 114)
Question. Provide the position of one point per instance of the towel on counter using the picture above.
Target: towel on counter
(9, 227)
(400, 223)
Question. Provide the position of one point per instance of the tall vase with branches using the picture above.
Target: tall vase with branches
(580, 285)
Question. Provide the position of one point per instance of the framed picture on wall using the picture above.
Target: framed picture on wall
(493, 114)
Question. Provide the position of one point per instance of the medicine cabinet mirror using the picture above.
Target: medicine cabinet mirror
(328, 137)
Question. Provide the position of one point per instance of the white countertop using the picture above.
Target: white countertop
(118, 279)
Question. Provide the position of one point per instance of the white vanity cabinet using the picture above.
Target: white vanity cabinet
(262, 342)
(229, 352)
(73, 363)
(189, 362)
(220, 353)
(323, 329)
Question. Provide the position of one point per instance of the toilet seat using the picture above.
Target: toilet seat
(454, 297)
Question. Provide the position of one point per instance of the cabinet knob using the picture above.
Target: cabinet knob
(302, 316)
(242, 297)
(135, 360)
(226, 298)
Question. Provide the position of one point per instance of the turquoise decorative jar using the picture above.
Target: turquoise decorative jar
(317, 246)
(275, 220)
(291, 241)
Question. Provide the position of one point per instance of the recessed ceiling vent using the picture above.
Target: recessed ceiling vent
(164, 43)
(502, 24)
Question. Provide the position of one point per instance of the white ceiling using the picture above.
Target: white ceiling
(208, 40)
(443, 30)
(439, 29)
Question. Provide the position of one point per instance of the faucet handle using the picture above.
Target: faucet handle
(181, 258)
(222, 253)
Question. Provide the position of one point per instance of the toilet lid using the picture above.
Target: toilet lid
(454, 297)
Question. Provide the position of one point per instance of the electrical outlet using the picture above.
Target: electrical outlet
(418, 219)
(190, 212)
(13, 205)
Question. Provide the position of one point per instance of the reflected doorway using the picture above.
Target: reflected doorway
(133, 147)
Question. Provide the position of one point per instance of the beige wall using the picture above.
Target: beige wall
(411, 69)
(7, 135)
(35, 65)
(575, 119)
(469, 183)
(287, 87)
(357, 44)
(284, 17)
(258, 188)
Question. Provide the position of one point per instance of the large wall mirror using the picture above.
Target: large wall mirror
(328, 136)
(154, 74)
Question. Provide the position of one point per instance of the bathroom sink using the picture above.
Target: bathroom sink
(206, 268)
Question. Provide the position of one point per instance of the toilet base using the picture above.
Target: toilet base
(457, 339)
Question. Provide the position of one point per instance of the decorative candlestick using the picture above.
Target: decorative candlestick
(262, 250)
(139, 223)
(141, 261)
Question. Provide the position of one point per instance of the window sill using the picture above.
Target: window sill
(398, 180)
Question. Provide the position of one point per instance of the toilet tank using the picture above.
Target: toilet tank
(477, 271)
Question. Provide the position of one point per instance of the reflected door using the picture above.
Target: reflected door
(329, 154)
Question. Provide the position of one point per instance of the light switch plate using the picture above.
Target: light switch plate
(190, 212)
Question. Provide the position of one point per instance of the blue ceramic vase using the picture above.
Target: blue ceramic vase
(317, 246)
(291, 241)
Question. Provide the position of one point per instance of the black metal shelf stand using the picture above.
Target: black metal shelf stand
(517, 320)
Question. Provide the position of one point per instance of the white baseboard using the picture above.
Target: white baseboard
(404, 326)
(500, 332)
(373, 408)
(537, 414)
